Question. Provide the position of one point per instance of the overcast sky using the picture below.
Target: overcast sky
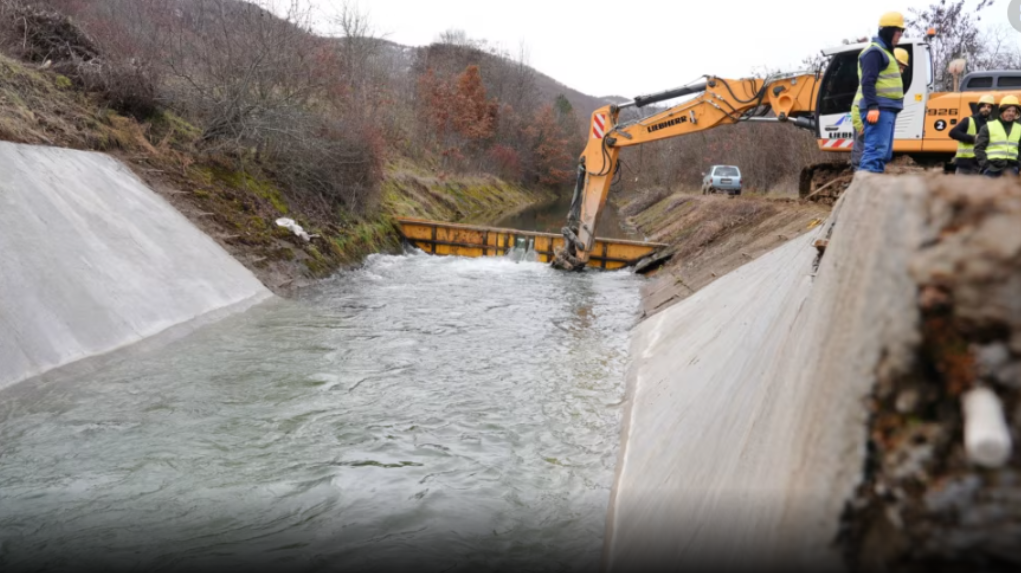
(629, 48)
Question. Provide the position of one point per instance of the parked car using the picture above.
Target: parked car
(722, 179)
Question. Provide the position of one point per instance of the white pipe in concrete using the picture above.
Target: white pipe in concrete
(986, 435)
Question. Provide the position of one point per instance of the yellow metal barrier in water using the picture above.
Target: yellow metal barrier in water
(475, 241)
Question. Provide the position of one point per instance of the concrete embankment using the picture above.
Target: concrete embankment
(745, 430)
(93, 260)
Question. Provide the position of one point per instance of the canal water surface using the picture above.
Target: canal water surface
(418, 413)
(550, 218)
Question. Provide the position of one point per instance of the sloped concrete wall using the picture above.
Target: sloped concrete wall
(744, 433)
(92, 260)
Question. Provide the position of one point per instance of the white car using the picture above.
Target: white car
(722, 179)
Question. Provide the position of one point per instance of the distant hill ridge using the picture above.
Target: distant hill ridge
(491, 63)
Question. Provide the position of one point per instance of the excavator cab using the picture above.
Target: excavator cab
(839, 85)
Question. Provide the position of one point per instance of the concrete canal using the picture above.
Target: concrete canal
(420, 413)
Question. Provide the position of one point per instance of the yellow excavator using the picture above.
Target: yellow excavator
(820, 102)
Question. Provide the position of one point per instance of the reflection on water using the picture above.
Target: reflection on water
(551, 217)
(421, 413)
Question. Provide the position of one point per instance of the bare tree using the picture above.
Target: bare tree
(998, 50)
(957, 33)
(241, 69)
(814, 63)
(461, 39)
(358, 47)
(524, 91)
(7, 8)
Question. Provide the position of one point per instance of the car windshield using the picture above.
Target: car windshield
(726, 172)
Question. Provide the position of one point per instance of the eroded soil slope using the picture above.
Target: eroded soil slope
(710, 236)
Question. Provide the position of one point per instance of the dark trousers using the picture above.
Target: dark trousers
(1012, 170)
(858, 150)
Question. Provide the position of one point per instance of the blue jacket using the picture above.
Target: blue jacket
(872, 64)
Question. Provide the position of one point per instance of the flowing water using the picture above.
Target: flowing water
(419, 413)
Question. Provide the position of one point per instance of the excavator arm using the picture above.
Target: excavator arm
(789, 98)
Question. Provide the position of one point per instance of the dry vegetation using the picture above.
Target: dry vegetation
(240, 117)
(774, 168)
(322, 114)
(250, 116)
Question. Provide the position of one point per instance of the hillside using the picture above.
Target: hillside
(547, 88)
(237, 200)
(236, 147)
(243, 117)
(584, 104)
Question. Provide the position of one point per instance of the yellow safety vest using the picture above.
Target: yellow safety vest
(1002, 146)
(889, 84)
(967, 150)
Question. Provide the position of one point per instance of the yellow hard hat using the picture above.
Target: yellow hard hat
(902, 56)
(892, 20)
(1009, 100)
(988, 98)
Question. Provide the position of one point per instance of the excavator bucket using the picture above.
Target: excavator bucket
(476, 241)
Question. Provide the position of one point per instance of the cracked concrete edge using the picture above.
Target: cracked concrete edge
(807, 437)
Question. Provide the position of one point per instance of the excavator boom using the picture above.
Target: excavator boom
(719, 101)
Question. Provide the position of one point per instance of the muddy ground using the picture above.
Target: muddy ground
(709, 236)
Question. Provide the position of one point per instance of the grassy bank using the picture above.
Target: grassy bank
(233, 198)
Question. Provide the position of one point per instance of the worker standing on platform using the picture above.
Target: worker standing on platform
(996, 146)
(882, 92)
(966, 132)
(903, 60)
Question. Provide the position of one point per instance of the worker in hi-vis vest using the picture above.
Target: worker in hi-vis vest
(903, 59)
(966, 132)
(996, 144)
(882, 92)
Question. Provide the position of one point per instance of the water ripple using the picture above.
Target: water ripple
(420, 412)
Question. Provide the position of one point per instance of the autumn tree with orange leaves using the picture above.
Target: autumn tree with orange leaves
(474, 116)
(470, 131)
(462, 118)
(433, 108)
(552, 158)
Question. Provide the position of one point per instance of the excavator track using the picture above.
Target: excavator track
(824, 182)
